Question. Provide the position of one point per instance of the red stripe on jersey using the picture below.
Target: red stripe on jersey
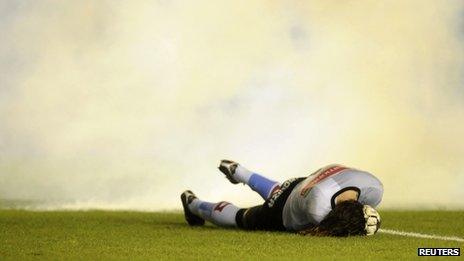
(324, 174)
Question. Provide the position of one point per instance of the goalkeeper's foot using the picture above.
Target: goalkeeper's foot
(228, 167)
(187, 197)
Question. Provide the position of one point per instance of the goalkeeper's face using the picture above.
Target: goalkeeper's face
(349, 218)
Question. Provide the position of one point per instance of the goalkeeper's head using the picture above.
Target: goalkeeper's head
(347, 218)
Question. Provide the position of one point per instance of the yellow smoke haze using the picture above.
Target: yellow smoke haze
(124, 104)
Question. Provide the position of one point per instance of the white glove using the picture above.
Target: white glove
(372, 218)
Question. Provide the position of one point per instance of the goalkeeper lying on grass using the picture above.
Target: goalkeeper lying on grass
(333, 201)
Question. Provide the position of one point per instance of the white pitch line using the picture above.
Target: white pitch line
(413, 234)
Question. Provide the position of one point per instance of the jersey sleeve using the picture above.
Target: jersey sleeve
(319, 207)
(371, 196)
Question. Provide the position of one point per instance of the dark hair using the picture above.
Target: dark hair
(345, 219)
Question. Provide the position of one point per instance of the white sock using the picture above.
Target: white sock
(194, 206)
(221, 214)
(242, 174)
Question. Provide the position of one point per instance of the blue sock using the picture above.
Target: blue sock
(220, 213)
(262, 185)
(206, 208)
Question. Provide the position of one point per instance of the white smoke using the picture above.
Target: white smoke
(125, 104)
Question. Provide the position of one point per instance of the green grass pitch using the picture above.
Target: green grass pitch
(143, 235)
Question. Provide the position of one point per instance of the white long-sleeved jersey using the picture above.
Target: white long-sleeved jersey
(313, 198)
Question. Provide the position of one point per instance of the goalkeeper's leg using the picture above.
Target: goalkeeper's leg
(236, 173)
(226, 214)
(220, 213)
